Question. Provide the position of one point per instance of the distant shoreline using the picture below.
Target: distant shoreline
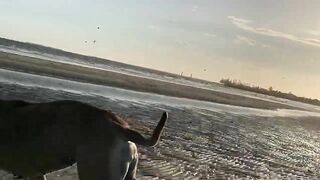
(270, 92)
(103, 77)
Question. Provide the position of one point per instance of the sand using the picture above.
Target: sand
(201, 142)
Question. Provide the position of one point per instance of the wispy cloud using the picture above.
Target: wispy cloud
(248, 41)
(245, 40)
(211, 35)
(313, 32)
(194, 8)
(246, 25)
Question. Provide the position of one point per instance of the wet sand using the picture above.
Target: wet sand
(103, 77)
(200, 143)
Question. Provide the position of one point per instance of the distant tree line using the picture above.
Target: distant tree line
(270, 91)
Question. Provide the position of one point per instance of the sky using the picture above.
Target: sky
(261, 42)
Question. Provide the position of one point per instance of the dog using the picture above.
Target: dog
(38, 138)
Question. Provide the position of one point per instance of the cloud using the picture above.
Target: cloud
(248, 41)
(194, 8)
(314, 40)
(209, 35)
(181, 42)
(245, 40)
(246, 25)
(313, 32)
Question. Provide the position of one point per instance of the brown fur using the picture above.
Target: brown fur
(37, 138)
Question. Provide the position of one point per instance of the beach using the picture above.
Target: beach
(137, 83)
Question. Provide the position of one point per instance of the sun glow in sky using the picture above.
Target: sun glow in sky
(267, 42)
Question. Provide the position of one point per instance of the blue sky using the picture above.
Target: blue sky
(266, 42)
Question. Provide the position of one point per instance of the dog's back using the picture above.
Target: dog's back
(37, 138)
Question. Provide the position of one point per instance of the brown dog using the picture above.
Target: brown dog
(38, 138)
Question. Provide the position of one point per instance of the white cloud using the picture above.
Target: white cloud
(248, 41)
(209, 35)
(194, 8)
(246, 25)
(313, 32)
(245, 40)
(313, 40)
(265, 46)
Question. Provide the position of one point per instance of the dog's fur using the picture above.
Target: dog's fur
(38, 138)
